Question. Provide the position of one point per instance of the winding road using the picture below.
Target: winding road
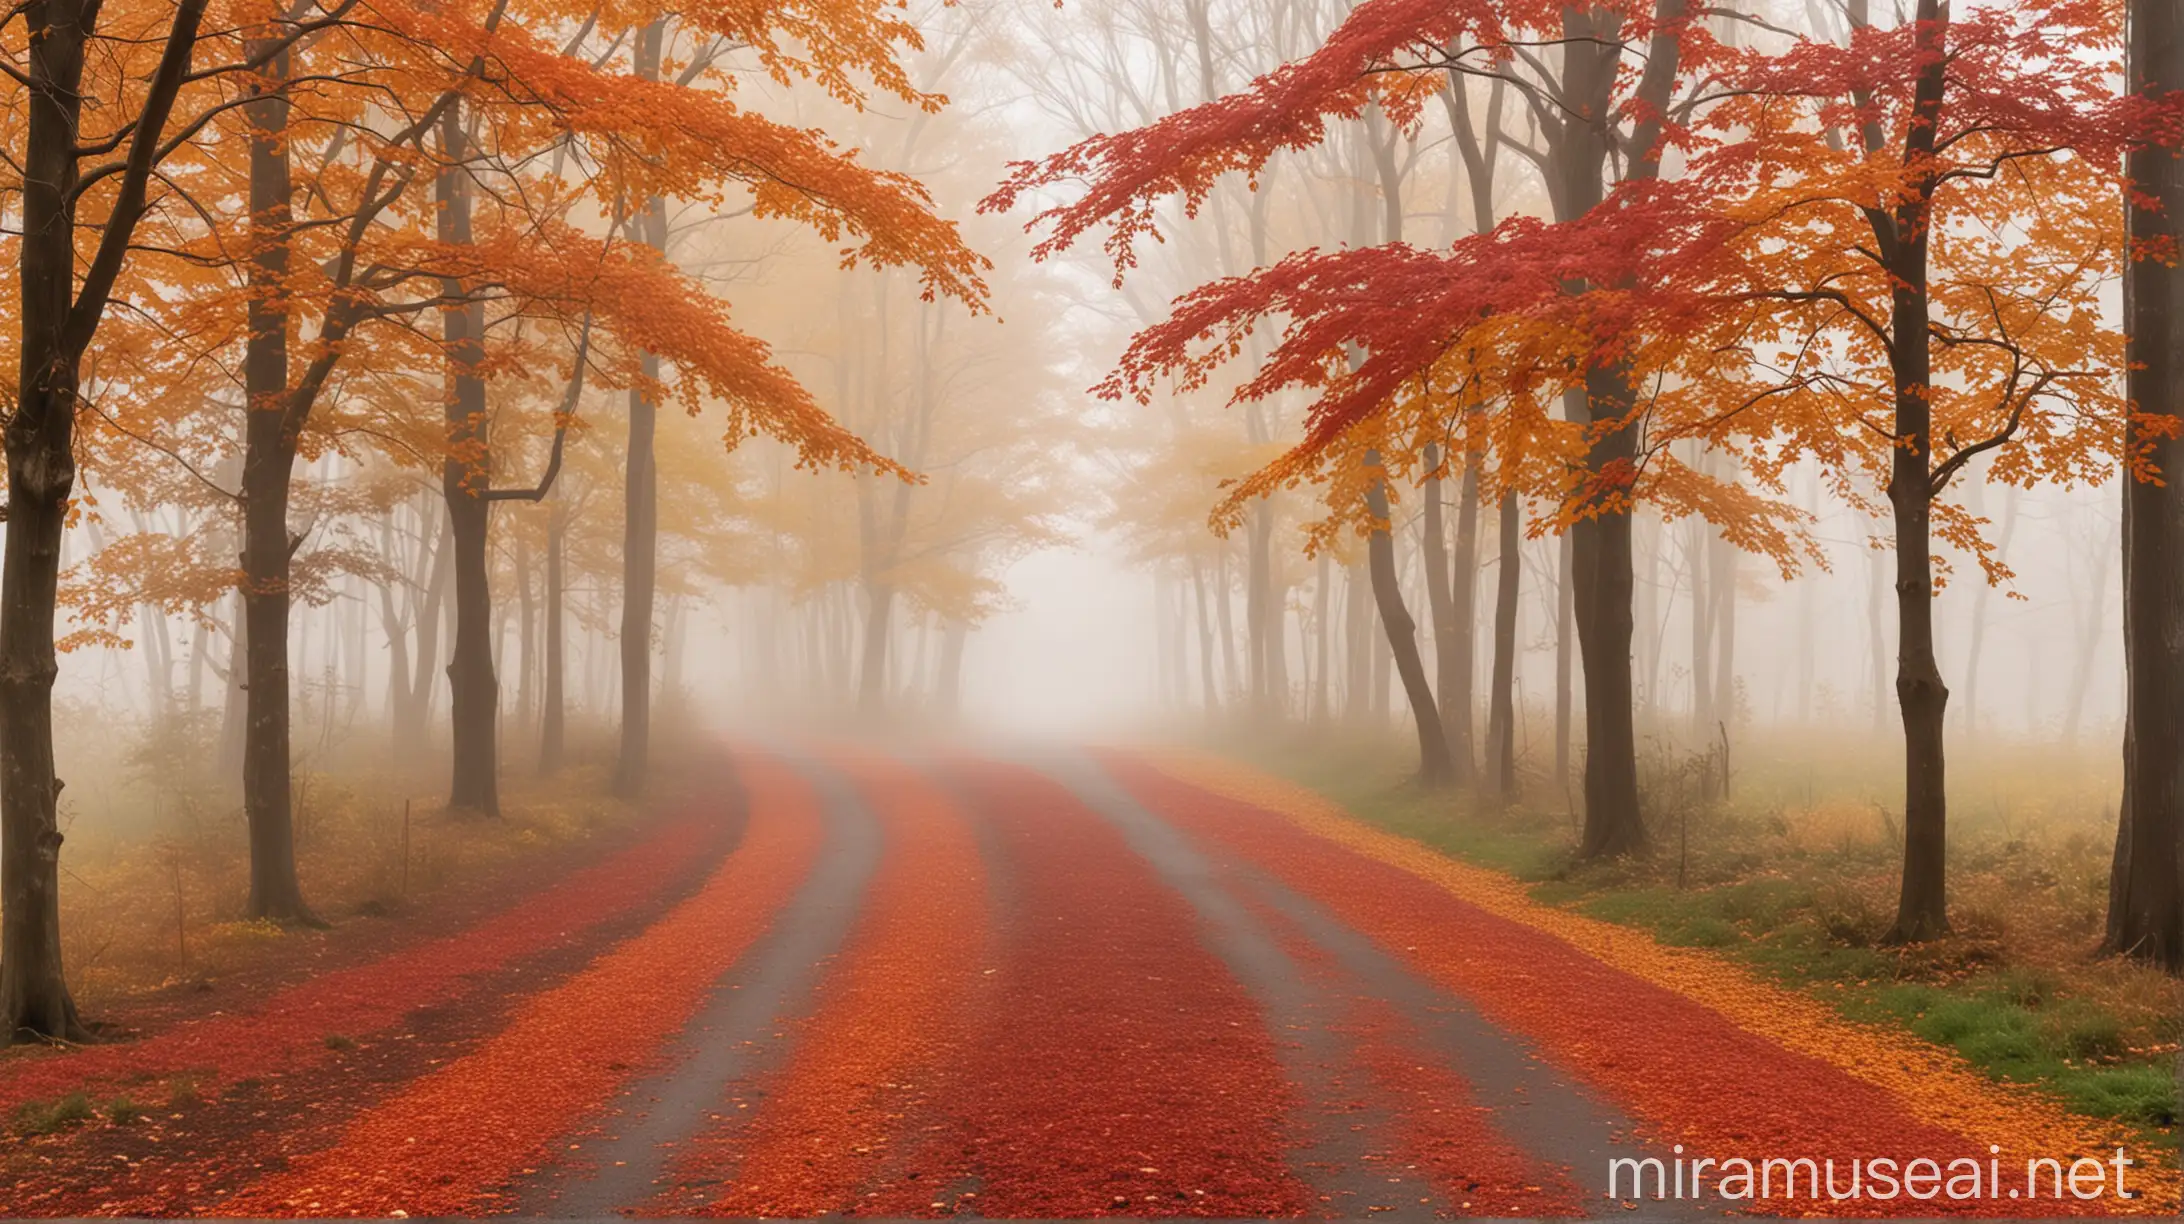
(1050, 984)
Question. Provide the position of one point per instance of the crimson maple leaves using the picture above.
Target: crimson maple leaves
(1885, 251)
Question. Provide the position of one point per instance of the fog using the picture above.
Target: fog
(1071, 586)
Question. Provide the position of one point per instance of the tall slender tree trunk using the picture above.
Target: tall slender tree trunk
(872, 668)
(1724, 583)
(1456, 696)
(526, 639)
(1645, 611)
(413, 728)
(1602, 579)
(1698, 549)
(1922, 907)
(1263, 621)
(57, 323)
(234, 707)
(1357, 647)
(1447, 629)
(1565, 613)
(1601, 568)
(1434, 768)
(949, 684)
(1877, 635)
(1211, 694)
(1225, 617)
(466, 478)
(553, 710)
(641, 510)
(2146, 881)
(34, 996)
(1501, 718)
(269, 460)
(1322, 633)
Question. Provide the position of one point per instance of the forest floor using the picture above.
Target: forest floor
(1052, 984)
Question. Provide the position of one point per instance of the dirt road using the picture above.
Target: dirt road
(1064, 984)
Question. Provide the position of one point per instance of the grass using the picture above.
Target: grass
(156, 870)
(38, 1118)
(1794, 875)
(51, 1117)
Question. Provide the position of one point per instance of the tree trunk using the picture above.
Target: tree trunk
(553, 709)
(1447, 629)
(1357, 647)
(34, 997)
(950, 682)
(1434, 769)
(872, 669)
(1565, 609)
(1501, 718)
(1922, 908)
(2146, 882)
(1601, 575)
(1698, 552)
(1724, 583)
(234, 709)
(57, 323)
(1600, 569)
(1212, 695)
(1225, 617)
(413, 728)
(641, 510)
(1263, 621)
(526, 639)
(269, 460)
(466, 477)
(1456, 703)
(1322, 610)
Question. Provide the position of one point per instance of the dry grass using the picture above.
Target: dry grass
(155, 872)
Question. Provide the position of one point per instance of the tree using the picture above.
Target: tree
(2146, 885)
(78, 223)
(1380, 53)
(649, 139)
(1927, 292)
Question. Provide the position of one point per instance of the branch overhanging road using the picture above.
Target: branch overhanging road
(1047, 985)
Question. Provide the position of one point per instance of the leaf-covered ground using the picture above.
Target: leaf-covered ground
(1068, 986)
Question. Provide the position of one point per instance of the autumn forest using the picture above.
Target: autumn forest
(1229, 608)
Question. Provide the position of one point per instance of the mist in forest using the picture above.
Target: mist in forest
(1002, 372)
(1055, 571)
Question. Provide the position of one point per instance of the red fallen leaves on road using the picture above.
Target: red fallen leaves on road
(288, 1032)
(442, 1145)
(1437, 1122)
(1684, 1070)
(846, 1115)
(1120, 1069)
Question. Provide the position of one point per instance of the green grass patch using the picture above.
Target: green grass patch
(52, 1117)
(1804, 909)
